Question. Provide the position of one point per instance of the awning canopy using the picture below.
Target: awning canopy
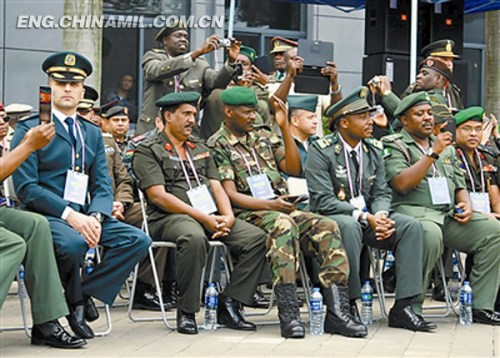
(470, 6)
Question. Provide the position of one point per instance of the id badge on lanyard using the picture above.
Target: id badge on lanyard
(480, 202)
(440, 195)
(76, 185)
(259, 184)
(199, 197)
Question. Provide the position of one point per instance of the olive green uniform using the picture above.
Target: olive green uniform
(327, 180)
(316, 234)
(161, 73)
(452, 94)
(25, 238)
(156, 163)
(480, 236)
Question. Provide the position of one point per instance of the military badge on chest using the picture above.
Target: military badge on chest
(340, 172)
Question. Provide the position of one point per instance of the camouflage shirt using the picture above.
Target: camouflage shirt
(230, 150)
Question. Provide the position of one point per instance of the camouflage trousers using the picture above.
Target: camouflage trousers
(316, 235)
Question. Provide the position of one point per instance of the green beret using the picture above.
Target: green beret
(248, 52)
(307, 103)
(67, 67)
(239, 96)
(170, 28)
(176, 98)
(475, 113)
(354, 103)
(440, 48)
(410, 101)
(116, 111)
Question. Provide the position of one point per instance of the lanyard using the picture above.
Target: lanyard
(348, 168)
(467, 168)
(191, 164)
(177, 80)
(73, 149)
(247, 163)
(434, 167)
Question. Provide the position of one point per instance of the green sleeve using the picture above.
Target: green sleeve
(395, 160)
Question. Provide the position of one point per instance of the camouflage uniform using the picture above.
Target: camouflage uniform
(156, 163)
(316, 234)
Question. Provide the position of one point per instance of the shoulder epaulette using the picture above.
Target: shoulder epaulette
(391, 137)
(138, 138)
(158, 50)
(107, 135)
(375, 143)
(25, 118)
(324, 142)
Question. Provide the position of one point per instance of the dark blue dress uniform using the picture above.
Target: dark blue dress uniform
(40, 183)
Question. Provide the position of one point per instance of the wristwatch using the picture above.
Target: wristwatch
(98, 216)
(430, 153)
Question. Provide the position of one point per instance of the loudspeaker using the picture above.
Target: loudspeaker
(442, 21)
(388, 23)
(396, 67)
(387, 26)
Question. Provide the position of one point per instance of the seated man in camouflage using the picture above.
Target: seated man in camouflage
(427, 184)
(346, 178)
(249, 163)
(180, 179)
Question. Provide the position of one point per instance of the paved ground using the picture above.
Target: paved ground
(151, 339)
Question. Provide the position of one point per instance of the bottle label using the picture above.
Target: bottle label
(366, 297)
(466, 298)
(316, 305)
(211, 302)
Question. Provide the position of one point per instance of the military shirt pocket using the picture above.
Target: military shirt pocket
(449, 170)
(171, 169)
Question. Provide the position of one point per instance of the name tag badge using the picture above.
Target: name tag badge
(440, 195)
(358, 202)
(75, 189)
(260, 186)
(201, 199)
(480, 202)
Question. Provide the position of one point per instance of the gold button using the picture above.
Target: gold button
(170, 83)
(77, 168)
(77, 155)
(163, 68)
(148, 120)
(168, 68)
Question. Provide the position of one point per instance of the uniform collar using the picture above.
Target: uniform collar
(407, 138)
(247, 140)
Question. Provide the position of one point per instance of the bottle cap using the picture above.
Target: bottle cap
(211, 284)
(466, 283)
(315, 289)
(367, 282)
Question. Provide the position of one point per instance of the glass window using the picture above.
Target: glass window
(146, 7)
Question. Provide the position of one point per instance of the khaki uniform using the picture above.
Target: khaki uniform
(160, 73)
(452, 94)
(327, 179)
(480, 236)
(213, 113)
(316, 235)
(156, 163)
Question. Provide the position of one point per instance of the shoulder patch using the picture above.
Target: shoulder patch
(138, 138)
(324, 142)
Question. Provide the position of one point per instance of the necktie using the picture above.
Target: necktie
(69, 121)
(354, 157)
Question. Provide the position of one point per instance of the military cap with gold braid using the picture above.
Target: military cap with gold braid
(474, 113)
(67, 67)
(238, 96)
(440, 48)
(354, 103)
(170, 28)
(281, 44)
(89, 98)
(411, 101)
(176, 98)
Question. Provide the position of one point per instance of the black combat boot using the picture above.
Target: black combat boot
(338, 318)
(288, 311)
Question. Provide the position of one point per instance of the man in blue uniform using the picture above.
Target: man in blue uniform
(68, 182)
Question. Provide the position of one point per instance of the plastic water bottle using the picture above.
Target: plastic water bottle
(316, 304)
(466, 304)
(389, 260)
(211, 301)
(366, 303)
(23, 292)
(455, 278)
(89, 261)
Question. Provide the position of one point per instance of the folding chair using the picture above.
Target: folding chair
(109, 324)
(22, 293)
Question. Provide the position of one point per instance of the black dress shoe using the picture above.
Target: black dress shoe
(407, 318)
(147, 300)
(259, 301)
(90, 311)
(486, 317)
(77, 323)
(229, 314)
(186, 324)
(52, 334)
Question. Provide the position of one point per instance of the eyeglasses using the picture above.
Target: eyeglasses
(468, 129)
